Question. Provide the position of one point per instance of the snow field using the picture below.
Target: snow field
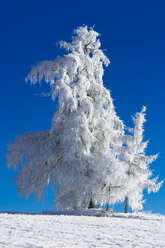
(59, 231)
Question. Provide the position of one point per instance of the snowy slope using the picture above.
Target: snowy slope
(54, 231)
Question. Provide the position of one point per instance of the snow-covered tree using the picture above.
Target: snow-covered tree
(136, 164)
(77, 153)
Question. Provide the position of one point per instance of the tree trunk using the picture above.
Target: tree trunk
(99, 205)
(107, 206)
(91, 204)
(126, 205)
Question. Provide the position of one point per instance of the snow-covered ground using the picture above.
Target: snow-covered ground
(54, 231)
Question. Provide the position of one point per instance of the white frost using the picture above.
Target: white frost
(86, 154)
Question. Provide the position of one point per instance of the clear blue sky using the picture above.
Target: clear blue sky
(132, 32)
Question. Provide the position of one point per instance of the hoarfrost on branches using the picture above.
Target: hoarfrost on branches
(83, 153)
(136, 164)
(76, 152)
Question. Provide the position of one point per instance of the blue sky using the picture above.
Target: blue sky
(133, 34)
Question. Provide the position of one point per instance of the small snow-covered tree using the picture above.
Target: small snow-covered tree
(77, 153)
(136, 164)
